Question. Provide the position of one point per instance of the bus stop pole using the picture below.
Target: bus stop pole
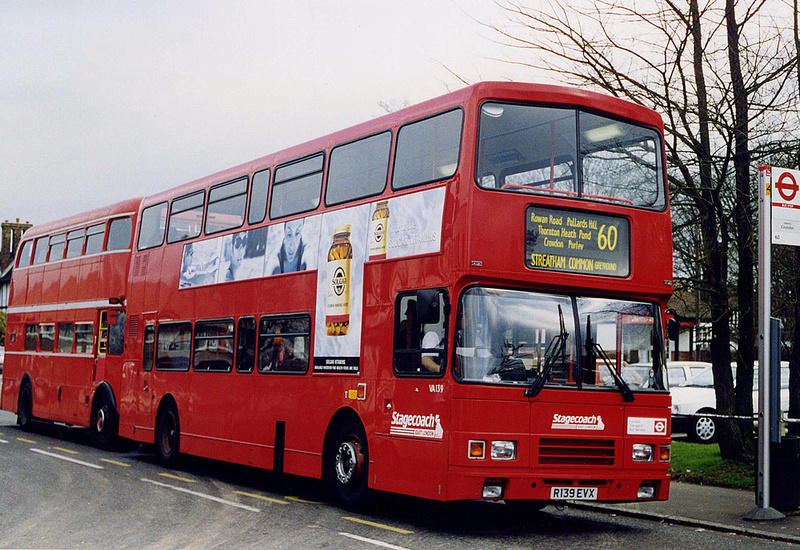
(763, 511)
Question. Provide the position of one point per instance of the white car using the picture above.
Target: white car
(679, 372)
(696, 396)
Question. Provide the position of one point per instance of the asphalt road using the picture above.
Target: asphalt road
(56, 491)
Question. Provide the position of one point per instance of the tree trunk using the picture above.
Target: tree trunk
(743, 217)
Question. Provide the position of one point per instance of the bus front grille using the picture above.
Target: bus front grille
(589, 452)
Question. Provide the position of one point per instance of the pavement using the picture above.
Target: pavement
(711, 508)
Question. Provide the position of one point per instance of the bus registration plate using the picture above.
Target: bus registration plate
(573, 493)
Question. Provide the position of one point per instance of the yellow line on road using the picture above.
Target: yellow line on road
(31, 441)
(261, 497)
(296, 499)
(115, 462)
(179, 478)
(379, 525)
(68, 451)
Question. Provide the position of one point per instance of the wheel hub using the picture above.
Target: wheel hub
(349, 461)
(100, 422)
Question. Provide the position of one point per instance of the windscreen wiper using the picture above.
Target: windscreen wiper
(556, 348)
(592, 346)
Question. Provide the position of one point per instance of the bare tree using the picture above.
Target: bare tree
(709, 71)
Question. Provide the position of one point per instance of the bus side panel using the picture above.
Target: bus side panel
(68, 292)
(34, 294)
(90, 279)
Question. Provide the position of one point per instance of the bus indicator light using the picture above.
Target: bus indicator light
(477, 449)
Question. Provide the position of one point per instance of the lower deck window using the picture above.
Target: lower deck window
(84, 334)
(174, 346)
(213, 346)
(284, 344)
(66, 334)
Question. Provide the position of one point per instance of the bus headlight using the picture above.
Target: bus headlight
(504, 450)
(643, 452)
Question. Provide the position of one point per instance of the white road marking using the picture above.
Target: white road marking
(202, 495)
(373, 541)
(68, 459)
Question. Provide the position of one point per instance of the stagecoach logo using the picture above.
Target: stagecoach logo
(416, 425)
(574, 422)
(339, 281)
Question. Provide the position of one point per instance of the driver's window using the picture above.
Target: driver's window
(419, 336)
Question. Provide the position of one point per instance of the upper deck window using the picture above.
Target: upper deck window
(563, 152)
(57, 245)
(226, 204)
(297, 187)
(119, 234)
(151, 230)
(428, 150)
(95, 235)
(74, 243)
(358, 169)
(40, 250)
(185, 218)
(258, 197)
(25, 254)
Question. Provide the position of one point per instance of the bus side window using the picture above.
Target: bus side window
(148, 354)
(246, 344)
(420, 333)
(116, 333)
(102, 336)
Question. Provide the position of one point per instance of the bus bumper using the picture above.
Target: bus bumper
(552, 487)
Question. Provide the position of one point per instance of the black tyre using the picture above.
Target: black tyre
(168, 434)
(104, 422)
(347, 465)
(25, 407)
(704, 428)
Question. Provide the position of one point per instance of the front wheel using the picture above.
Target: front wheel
(348, 464)
(168, 435)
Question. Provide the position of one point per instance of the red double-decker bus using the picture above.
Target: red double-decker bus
(69, 281)
(460, 300)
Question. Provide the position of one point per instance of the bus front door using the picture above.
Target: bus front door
(414, 400)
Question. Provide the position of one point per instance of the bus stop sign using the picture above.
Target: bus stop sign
(785, 207)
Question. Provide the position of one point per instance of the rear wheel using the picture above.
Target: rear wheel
(347, 465)
(168, 434)
(25, 407)
(104, 422)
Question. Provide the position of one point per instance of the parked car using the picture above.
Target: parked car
(697, 396)
(679, 372)
(639, 374)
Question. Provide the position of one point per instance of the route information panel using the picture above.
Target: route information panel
(577, 242)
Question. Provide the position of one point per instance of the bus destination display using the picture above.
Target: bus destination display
(577, 242)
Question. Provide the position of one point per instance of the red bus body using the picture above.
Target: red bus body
(447, 435)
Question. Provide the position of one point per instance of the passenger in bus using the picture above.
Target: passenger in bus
(290, 256)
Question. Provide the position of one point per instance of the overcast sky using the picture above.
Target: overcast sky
(106, 100)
